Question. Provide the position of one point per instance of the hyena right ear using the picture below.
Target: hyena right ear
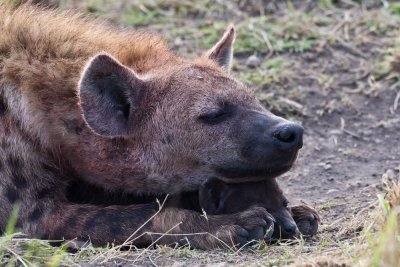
(222, 52)
(109, 94)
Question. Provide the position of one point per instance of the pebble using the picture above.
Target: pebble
(253, 61)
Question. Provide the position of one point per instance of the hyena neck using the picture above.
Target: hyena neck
(131, 166)
(103, 161)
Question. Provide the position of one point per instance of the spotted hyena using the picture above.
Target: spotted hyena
(81, 101)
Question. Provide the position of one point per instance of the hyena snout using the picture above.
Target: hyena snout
(272, 140)
(268, 147)
(289, 136)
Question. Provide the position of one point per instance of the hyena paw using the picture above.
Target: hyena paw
(242, 228)
(306, 218)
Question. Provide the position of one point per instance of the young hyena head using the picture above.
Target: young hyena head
(191, 119)
(218, 197)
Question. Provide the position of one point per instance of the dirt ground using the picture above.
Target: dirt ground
(325, 64)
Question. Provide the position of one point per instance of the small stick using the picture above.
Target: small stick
(396, 101)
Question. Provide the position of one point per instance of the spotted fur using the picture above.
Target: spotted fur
(81, 100)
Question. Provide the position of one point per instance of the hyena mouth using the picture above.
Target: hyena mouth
(242, 172)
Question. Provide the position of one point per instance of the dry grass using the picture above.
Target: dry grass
(377, 244)
(384, 247)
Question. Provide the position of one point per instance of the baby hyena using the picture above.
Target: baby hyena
(81, 101)
(218, 197)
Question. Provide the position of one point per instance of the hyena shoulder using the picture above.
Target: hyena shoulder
(42, 54)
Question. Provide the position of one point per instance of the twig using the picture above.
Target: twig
(352, 134)
(352, 81)
(155, 241)
(19, 258)
(396, 101)
(292, 103)
(192, 234)
(351, 49)
(130, 239)
(152, 262)
(265, 38)
(146, 222)
(332, 33)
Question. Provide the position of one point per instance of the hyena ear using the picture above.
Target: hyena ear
(109, 94)
(212, 195)
(222, 52)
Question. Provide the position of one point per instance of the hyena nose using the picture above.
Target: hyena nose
(289, 136)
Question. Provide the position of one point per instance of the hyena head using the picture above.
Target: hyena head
(218, 197)
(191, 119)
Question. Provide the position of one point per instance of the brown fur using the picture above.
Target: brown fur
(83, 101)
(215, 198)
(306, 218)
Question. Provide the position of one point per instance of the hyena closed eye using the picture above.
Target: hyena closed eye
(85, 102)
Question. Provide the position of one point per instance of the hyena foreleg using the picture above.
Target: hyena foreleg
(144, 225)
